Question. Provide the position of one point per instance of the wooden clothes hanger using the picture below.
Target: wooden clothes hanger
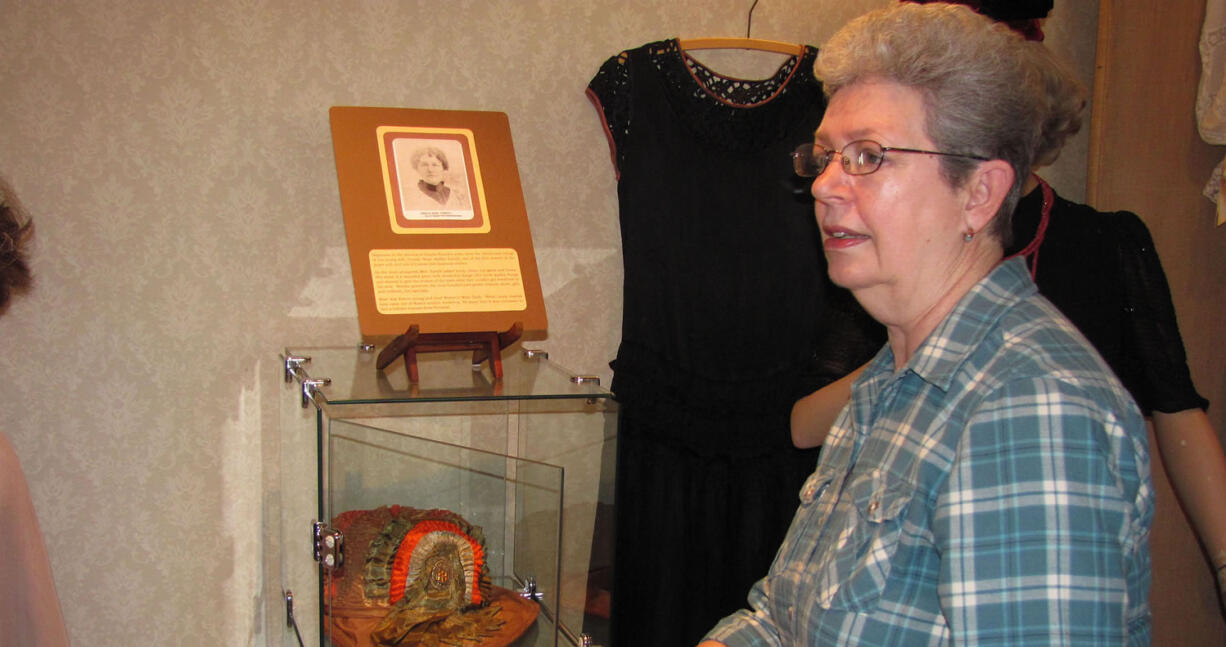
(776, 46)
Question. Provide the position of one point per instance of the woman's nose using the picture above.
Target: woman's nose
(825, 181)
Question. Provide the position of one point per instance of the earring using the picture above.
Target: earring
(968, 236)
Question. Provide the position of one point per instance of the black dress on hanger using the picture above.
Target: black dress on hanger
(728, 319)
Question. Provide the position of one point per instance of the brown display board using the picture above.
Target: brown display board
(435, 221)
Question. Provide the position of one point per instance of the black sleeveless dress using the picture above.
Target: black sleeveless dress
(728, 319)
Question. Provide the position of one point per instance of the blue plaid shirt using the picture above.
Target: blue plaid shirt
(995, 491)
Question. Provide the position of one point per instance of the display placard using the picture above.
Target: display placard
(435, 221)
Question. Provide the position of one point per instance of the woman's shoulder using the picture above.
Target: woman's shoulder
(1112, 226)
(1095, 247)
(12, 480)
(1037, 337)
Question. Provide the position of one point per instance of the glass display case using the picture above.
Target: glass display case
(517, 469)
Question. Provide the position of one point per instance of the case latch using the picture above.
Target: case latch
(311, 387)
(529, 591)
(329, 546)
(293, 366)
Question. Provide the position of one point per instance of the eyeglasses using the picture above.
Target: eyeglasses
(860, 157)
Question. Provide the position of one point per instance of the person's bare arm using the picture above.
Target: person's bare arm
(813, 414)
(1196, 466)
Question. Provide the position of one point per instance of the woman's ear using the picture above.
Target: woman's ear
(986, 190)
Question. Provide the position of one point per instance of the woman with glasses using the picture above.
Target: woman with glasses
(1102, 271)
(988, 483)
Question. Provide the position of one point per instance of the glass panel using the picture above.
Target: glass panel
(295, 496)
(445, 376)
(398, 439)
(516, 502)
(584, 443)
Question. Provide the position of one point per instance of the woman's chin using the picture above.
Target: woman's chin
(848, 277)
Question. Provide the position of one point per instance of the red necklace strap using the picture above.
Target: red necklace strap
(1031, 250)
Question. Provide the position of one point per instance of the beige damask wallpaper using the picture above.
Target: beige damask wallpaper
(177, 159)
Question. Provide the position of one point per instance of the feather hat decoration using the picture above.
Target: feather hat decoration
(417, 577)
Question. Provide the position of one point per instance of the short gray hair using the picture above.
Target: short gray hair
(982, 85)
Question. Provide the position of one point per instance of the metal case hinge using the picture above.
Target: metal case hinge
(329, 545)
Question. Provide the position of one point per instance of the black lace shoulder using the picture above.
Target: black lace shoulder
(737, 114)
(609, 90)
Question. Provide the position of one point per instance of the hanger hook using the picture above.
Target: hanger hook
(749, 20)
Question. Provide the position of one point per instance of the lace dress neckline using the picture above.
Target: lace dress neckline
(733, 91)
(736, 114)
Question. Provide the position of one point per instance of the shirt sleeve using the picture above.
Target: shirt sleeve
(1038, 522)
(1152, 332)
(749, 628)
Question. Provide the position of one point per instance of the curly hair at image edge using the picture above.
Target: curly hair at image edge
(15, 232)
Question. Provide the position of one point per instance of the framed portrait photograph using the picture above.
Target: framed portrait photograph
(435, 222)
(432, 180)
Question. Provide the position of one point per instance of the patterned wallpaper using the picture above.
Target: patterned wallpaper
(177, 160)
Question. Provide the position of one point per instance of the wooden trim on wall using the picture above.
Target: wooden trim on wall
(1146, 156)
(1102, 76)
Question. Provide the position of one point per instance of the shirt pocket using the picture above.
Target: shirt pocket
(853, 562)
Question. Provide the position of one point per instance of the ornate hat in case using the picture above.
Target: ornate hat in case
(418, 577)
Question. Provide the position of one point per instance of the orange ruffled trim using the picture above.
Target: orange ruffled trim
(400, 567)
